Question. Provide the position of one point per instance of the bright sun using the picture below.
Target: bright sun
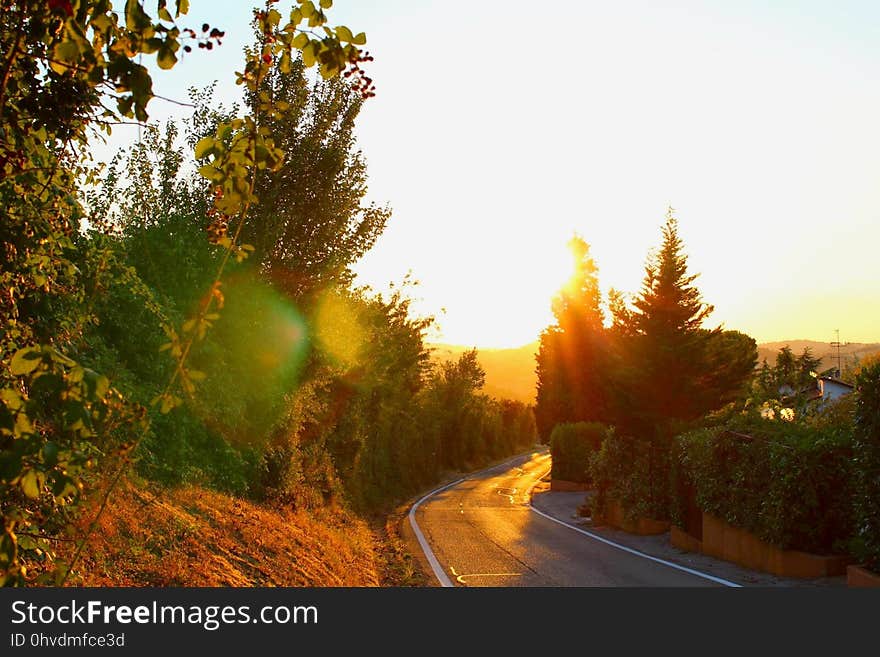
(523, 295)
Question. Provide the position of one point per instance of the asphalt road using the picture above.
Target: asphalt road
(483, 533)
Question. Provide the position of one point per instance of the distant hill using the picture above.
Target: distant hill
(823, 350)
(510, 373)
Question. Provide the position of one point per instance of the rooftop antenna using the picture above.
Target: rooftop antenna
(838, 344)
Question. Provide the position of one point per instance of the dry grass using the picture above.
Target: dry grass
(196, 537)
(399, 565)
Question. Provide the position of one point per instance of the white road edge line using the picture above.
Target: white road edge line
(601, 539)
(439, 573)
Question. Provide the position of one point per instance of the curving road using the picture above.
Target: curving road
(482, 532)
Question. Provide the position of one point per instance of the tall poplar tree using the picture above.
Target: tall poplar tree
(313, 220)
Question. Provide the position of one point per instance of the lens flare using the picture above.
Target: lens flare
(338, 328)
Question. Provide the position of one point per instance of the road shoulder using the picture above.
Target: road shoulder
(563, 507)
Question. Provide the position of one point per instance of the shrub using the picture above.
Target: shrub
(572, 444)
(634, 473)
(789, 483)
(866, 545)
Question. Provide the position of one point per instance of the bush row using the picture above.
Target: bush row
(572, 445)
(866, 546)
(811, 484)
(789, 485)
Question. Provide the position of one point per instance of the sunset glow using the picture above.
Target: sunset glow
(756, 123)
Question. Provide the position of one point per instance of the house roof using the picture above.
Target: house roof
(832, 379)
(813, 393)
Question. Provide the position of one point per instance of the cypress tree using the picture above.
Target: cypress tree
(571, 364)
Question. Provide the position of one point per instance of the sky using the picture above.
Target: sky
(501, 127)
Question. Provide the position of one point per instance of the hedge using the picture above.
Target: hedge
(571, 447)
(790, 484)
(866, 545)
(634, 473)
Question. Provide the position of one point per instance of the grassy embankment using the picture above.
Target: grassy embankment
(191, 536)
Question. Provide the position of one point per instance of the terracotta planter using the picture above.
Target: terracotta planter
(724, 541)
(861, 577)
(684, 541)
(615, 516)
(565, 486)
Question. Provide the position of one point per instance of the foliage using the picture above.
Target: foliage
(634, 473)
(357, 415)
(69, 68)
(791, 376)
(572, 445)
(867, 454)
(670, 369)
(312, 222)
(654, 372)
(572, 363)
(789, 483)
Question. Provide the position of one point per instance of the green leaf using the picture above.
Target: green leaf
(30, 484)
(360, 39)
(50, 453)
(64, 56)
(326, 4)
(204, 147)
(210, 172)
(12, 398)
(98, 384)
(344, 34)
(23, 425)
(124, 106)
(136, 19)
(152, 45)
(284, 64)
(308, 53)
(169, 403)
(101, 22)
(25, 361)
(166, 58)
(300, 40)
(163, 12)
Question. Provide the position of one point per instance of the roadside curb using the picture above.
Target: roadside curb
(638, 553)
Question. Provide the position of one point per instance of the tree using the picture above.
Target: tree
(572, 365)
(806, 366)
(672, 370)
(785, 370)
(790, 376)
(69, 69)
(312, 223)
(454, 405)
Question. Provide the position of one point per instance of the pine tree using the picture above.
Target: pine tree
(671, 369)
(670, 306)
(807, 365)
